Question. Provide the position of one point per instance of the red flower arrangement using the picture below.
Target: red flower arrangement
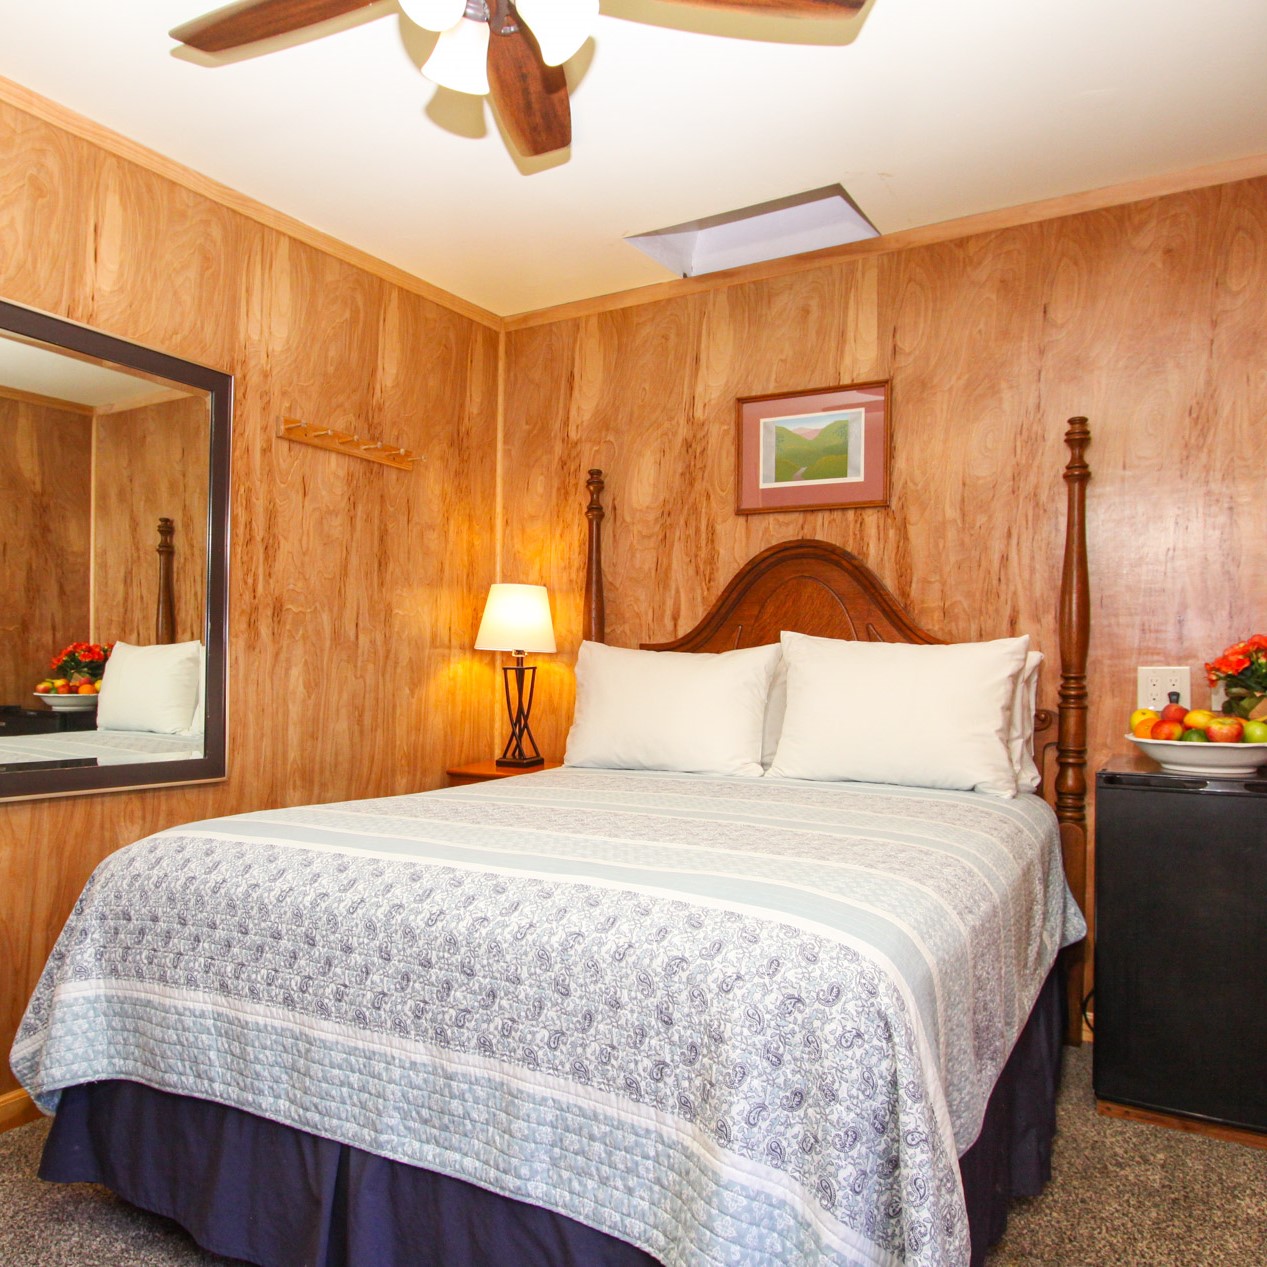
(1242, 669)
(82, 661)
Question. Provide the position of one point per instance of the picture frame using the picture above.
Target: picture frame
(824, 449)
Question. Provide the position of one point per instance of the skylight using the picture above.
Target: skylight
(768, 231)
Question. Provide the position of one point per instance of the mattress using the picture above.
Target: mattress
(715, 1018)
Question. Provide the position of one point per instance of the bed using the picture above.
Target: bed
(591, 1016)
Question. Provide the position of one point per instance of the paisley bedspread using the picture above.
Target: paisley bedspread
(728, 1020)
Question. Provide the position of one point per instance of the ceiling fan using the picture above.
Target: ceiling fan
(512, 50)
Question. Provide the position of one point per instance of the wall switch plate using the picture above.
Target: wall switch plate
(1155, 685)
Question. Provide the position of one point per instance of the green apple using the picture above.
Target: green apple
(1255, 732)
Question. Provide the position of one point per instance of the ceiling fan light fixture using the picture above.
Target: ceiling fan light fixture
(559, 26)
(460, 59)
(434, 15)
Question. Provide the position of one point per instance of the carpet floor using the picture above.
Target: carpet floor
(1123, 1194)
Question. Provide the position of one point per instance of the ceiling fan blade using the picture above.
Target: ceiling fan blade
(788, 8)
(253, 20)
(530, 97)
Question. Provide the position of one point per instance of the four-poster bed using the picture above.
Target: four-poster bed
(599, 1016)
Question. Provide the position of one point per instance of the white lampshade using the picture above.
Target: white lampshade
(516, 618)
(434, 15)
(560, 26)
(460, 59)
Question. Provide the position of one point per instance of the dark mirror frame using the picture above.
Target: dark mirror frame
(213, 764)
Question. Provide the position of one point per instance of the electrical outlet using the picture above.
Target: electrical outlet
(1155, 685)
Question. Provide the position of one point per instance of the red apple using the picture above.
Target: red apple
(1225, 730)
(1166, 730)
(1174, 711)
(43, 688)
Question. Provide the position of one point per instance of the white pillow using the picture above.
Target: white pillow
(775, 708)
(149, 688)
(199, 722)
(1020, 741)
(670, 710)
(894, 712)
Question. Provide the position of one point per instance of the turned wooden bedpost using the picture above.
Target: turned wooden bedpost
(594, 617)
(165, 620)
(1071, 744)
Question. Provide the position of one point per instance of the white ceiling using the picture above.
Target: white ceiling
(924, 110)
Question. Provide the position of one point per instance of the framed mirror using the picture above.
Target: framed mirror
(114, 525)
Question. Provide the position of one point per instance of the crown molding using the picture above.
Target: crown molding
(86, 129)
(946, 231)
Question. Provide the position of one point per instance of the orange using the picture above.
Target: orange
(1144, 728)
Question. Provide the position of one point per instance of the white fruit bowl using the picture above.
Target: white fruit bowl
(1217, 760)
(68, 703)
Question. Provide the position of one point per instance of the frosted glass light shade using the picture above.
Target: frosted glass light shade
(560, 26)
(460, 59)
(434, 15)
(516, 618)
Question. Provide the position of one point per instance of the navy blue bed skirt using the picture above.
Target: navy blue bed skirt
(248, 1188)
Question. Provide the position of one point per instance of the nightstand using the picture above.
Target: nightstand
(1181, 939)
(16, 720)
(482, 771)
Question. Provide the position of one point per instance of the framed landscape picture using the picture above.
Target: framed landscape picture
(814, 450)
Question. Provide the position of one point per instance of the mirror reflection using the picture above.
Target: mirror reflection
(106, 523)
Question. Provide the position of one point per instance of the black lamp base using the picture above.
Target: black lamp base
(521, 751)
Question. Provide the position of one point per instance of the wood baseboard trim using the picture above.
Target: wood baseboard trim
(1191, 1125)
(16, 1109)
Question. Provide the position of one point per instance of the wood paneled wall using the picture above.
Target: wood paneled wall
(1148, 318)
(45, 499)
(355, 589)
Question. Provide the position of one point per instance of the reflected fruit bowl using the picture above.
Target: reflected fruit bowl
(1214, 760)
(74, 703)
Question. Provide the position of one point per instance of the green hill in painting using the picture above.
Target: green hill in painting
(822, 457)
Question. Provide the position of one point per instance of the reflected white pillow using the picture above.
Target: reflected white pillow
(670, 710)
(1020, 741)
(150, 688)
(199, 722)
(890, 712)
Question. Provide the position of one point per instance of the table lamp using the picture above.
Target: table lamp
(517, 619)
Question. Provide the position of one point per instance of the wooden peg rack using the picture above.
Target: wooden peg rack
(343, 442)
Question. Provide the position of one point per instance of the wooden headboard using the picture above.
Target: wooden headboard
(817, 588)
